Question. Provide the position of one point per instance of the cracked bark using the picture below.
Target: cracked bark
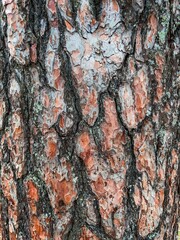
(89, 119)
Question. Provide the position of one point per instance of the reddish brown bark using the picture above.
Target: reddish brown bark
(89, 119)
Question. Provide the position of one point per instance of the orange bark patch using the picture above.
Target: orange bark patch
(33, 53)
(99, 185)
(93, 21)
(65, 123)
(134, 103)
(32, 191)
(153, 24)
(140, 85)
(160, 60)
(109, 192)
(9, 188)
(174, 156)
(128, 108)
(52, 6)
(84, 140)
(91, 107)
(85, 16)
(109, 203)
(59, 181)
(158, 75)
(58, 102)
(69, 26)
(86, 150)
(17, 133)
(97, 65)
(57, 82)
(57, 78)
(115, 5)
(56, 73)
(52, 105)
(66, 191)
(62, 122)
(144, 152)
(113, 139)
(51, 149)
(39, 225)
(110, 124)
(37, 230)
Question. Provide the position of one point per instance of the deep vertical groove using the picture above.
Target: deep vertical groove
(159, 21)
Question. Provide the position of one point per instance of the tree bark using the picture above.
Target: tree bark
(89, 119)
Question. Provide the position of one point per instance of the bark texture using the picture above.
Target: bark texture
(89, 119)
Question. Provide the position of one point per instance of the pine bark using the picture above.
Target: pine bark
(89, 119)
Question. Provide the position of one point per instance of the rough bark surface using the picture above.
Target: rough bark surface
(89, 119)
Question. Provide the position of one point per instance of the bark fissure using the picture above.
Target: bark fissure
(89, 119)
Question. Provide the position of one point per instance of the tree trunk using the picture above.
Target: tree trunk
(88, 119)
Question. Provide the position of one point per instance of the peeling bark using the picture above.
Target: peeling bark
(89, 119)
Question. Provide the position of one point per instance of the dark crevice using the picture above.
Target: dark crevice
(96, 7)
(4, 216)
(80, 208)
(132, 178)
(133, 16)
(39, 26)
(5, 159)
(79, 204)
(98, 232)
(23, 212)
(6, 70)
